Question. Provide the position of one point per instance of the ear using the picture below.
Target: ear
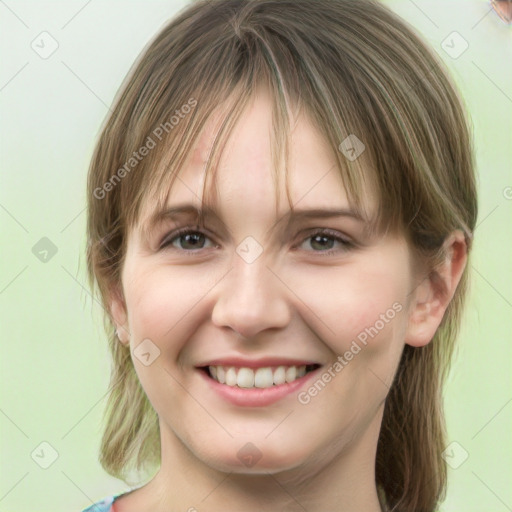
(118, 314)
(434, 293)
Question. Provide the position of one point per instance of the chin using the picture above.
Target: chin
(253, 458)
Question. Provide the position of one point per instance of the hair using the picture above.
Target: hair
(355, 68)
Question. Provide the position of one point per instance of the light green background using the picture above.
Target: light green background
(54, 362)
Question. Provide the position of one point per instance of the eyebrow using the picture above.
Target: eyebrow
(171, 213)
(291, 217)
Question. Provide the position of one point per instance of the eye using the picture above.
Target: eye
(186, 239)
(193, 240)
(324, 241)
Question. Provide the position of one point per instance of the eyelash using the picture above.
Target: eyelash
(347, 245)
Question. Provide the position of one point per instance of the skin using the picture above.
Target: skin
(292, 301)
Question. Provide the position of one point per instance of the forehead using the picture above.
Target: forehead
(244, 176)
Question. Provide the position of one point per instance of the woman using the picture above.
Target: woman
(276, 352)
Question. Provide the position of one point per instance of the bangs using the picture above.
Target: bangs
(366, 96)
(225, 89)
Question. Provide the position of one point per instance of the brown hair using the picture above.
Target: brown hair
(355, 67)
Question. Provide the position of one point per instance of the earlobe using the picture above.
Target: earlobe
(118, 315)
(433, 295)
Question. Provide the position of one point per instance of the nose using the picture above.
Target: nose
(251, 298)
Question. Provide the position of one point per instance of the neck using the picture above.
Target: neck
(338, 478)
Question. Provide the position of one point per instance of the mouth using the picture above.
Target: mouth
(267, 377)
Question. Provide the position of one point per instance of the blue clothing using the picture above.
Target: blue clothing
(105, 504)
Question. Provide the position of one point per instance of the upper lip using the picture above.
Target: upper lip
(258, 363)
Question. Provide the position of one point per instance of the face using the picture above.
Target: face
(303, 318)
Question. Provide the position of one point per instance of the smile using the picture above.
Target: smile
(265, 377)
(259, 386)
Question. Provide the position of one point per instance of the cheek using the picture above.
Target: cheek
(352, 304)
(164, 302)
(155, 301)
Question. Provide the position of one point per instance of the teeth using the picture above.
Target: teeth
(231, 377)
(245, 378)
(261, 378)
(291, 374)
(280, 375)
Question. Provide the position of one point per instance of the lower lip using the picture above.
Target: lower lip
(256, 397)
